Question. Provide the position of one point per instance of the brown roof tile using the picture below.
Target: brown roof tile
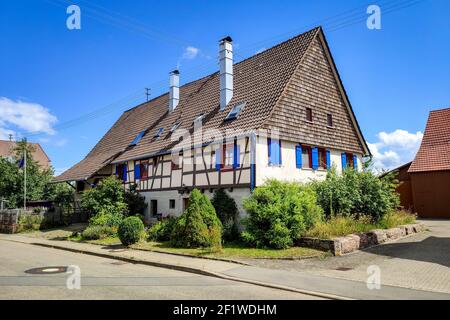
(39, 155)
(434, 152)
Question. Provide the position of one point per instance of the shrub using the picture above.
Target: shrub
(227, 212)
(107, 196)
(357, 193)
(199, 225)
(397, 218)
(130, 230)
(135, 202)
(162, 230)
(338, 226)
(30, 222)
(109, 215)
(278, 213)
(98, 232)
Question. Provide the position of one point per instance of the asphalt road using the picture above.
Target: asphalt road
(103, 278)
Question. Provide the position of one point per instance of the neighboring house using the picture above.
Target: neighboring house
(293, 117)
(405, 188)
(7, 150)
(430, 170)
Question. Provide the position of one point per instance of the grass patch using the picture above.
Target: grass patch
(341, 226)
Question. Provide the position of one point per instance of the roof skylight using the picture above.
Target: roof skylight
(175, 126)
(159, 133)
(138, 137)
(235, 111)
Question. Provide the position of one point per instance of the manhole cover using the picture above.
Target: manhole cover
(47, 270)
(344, 269)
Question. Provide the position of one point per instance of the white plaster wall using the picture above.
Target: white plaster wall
(163, 198)
(288, 170)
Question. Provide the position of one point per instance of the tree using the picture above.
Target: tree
(12, 178)
(135, 202)
(227, 212)
(199, 225)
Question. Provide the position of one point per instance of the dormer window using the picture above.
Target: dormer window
(199, 118)
(159, 132)
(138, 137)
(309, 117)
(237, 109)
(175, 126)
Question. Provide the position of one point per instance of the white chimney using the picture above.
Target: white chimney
(226, 72)
(174, 91)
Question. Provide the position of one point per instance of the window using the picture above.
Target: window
(175, 126)
(138, 137)
(322, 158)
(121, 171)
(144, 169)
(176, 159)
(80, 186)
(349, 160)
(274, 150)
(329, 120)
(172, 204)
(199, 118)
(309, 115)
(306, 157)
(158, 133)
(228, 156)
(235, 111)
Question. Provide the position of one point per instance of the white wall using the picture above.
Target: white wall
(163, 197)
(288, 170)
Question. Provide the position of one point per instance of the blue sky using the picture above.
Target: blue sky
(69, 86)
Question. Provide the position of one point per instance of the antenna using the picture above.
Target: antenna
(10, 137)
(148, 92)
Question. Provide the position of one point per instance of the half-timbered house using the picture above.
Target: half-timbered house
(282, 114)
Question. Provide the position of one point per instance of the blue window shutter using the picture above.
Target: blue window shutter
(328, 159)
(344, 160)
(279, 152)
(298, 157)
(124, 176)
(137, 171)
(117, 170)
(269, 147)
(236, 155)
(355, 162)
(315, 158)
(218, 159)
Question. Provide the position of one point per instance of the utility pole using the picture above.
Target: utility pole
(147, 92)
(25, 178)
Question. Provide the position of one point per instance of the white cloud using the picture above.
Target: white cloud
(395, 148)
(31, 117)
(4, 133)
(190, 53)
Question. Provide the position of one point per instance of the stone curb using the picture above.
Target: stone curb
(353, 242)
(187, 269)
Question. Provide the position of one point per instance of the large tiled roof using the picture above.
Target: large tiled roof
(434, 152)
(259, 81)
(7, 149)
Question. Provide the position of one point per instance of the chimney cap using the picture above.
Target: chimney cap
(176, 71)
(226, 39)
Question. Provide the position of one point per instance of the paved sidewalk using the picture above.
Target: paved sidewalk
(420, 262)
(302, 282)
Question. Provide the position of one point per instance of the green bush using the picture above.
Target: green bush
(338, 226)
(30, 222)
(278, 213)
(162, 230)
(227, 212)
(131, 230)
(106, 202)
(357, 193)
(199, 225)
(397, 218)
(98, 232)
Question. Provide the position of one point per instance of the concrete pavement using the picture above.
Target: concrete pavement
(420, 262)
(103, 278)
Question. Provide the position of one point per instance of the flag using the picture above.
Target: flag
(21, 163)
